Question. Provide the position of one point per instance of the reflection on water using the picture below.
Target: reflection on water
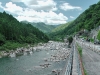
(29, 64)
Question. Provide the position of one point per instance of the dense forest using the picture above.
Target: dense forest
(89, 20)
(42, 26)
(13, 32)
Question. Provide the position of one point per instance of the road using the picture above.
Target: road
(91, 61)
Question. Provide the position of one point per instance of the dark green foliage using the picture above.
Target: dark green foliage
(57, 33)
(14, 31)
(89, 19)
(91, 40)
(98, 36)
(11, 45)
(2, 39)
(70, 39)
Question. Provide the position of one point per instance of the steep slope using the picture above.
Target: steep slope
(42, 26)
(61, 27)
(89, 19)
(13, 31)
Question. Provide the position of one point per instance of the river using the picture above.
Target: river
(31, 64)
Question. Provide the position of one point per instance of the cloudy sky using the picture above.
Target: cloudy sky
(48, 11)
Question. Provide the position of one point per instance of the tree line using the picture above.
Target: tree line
(14, 31)
(88, 20)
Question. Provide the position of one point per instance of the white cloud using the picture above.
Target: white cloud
(13, 8)
(39, 4)
(67, 6)
(72, 17)
(46, 17)
(31, 15)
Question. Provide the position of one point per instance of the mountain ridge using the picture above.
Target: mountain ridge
(13, 33)
(61, 27)
(88, 20)
(42, 26)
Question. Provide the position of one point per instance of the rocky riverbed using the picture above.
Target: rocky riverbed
(49, 56)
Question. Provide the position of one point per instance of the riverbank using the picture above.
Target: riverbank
(43, 59)
(13, 49)
(31, 48)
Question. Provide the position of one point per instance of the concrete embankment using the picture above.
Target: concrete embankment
(74, 64)
(77, 68)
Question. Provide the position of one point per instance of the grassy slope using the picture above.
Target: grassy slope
(43, 27)
(61, 27)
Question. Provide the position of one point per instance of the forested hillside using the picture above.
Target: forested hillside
(42, 26)
(12, 31)
(89, 19)
(61, 27)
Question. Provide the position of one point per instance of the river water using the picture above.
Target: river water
(30, 64)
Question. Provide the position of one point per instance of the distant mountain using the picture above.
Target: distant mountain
(42, 26)
(14, 31)
(61, 27)
(89, 20)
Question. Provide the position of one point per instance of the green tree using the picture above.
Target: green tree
(2, 39)
(89, 20)
(98, 36)
(13, 31)
(70, 39)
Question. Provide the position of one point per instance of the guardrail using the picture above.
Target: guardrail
(73, 63)
(68, 68)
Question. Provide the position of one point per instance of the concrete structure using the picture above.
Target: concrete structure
(94, 33)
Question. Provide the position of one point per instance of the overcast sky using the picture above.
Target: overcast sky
(48, 11)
